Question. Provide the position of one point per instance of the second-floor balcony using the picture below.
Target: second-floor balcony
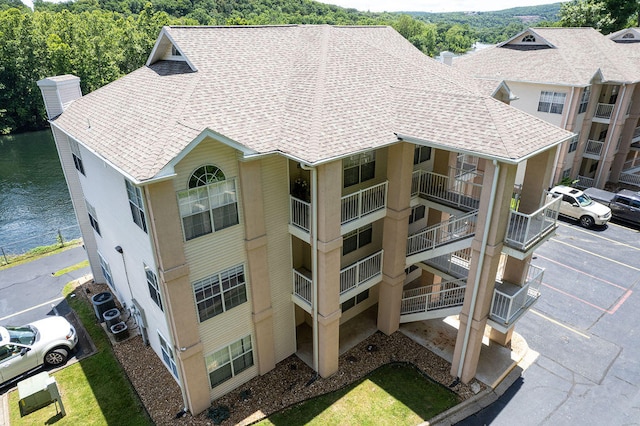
(510, 301)
(594, 148)
(604, 111)
(527, 230)
(444, 235)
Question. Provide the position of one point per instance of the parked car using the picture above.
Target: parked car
(49, 341)
(624, 205)
(577, 205)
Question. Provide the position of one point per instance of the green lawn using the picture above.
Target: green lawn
(94, 391)
(395, 394)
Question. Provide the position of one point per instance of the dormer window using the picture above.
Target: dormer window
(175, 52)
(528, 39)
(628, 35)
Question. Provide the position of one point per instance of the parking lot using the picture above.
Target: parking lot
(584, 334)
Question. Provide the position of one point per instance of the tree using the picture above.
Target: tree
(621, 11)
(586, 13)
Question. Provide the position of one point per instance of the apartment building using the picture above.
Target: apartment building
(268, 183)
(581, 81)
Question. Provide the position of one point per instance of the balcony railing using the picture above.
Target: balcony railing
(359, 273)
(630, 178)
(594, 147)
(526, 229)
(302, 287)
(461, 191)
(636, 135)
(585, 182)
(455, 264)
(300, 213)
(631, 164)
(429, 298)
(509, 299)
(363, 202)
(604, 111)
(452, 230)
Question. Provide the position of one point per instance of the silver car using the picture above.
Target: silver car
(49, 341)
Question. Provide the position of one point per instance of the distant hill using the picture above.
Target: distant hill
(497, 26)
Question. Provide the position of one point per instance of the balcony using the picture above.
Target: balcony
(303, 289)
(525, 231)
(585, 182)
(369, 203)
(604, 111)
(461, 192)
(454, 234)
(630, 178)
(510, 301)
(360, 276)
(594, 149)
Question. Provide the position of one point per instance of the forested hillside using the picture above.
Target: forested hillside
(102, 40)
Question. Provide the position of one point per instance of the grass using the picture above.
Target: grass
(71, 268)
(13, 260)
(95, 390)
(394, 394)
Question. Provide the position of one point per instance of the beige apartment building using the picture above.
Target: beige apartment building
(266, 185)
(581, 81)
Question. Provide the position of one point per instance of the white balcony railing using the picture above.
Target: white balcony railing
(585, 182)
(461, 191)
(455, 264)
(604, 111)
(360, 272)
(452, 230)
(525, 229)
(636, 135)
(630, 178)
(363, 202)
(594, 147)
(300, 213)
(509, 299)
(302, 287)
(428, 298)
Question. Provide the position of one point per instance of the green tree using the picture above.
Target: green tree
(586, 13)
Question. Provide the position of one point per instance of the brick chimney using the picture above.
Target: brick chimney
(58, 92)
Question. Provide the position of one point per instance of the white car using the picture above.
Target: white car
(577, 205)
(49, 341)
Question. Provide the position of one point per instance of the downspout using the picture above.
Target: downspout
(604, 157)
(314, 258)
(485, 237)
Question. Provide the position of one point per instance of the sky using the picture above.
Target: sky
(435, 5)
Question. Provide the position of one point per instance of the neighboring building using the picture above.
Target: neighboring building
(581, 81)
(265, 183)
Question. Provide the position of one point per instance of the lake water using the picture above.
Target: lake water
(34, 199)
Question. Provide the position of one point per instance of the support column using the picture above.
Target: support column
(328, 273)
(483, 269)
(394, 237)
(257, 263)
(165, 230)
(627, 136)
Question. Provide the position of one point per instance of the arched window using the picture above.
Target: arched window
(529, 38)
(628, 35)
(210, 204)
(206, 175)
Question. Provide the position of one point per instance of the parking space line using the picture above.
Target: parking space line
(601, 237)
(57, 299)
(596, 255)
(581, 272)
(611, 311)
(560, 324)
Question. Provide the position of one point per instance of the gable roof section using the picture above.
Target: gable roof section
(578, 54)
(627, 35)
(312, 93)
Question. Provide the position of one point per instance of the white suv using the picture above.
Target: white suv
(48, 341)
(577, 205)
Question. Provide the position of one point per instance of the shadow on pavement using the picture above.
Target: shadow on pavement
(487, 415)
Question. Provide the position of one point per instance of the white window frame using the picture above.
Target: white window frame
(417, 213)
(77, 158)
(93, 217)
(360, 236)
(228, 357)
(354, 301)
(152, 284)
(364, 163)
(136, 204)
(106, 270)
(420, 153)
(167, 356)
(551, 102)
(214, 293)
(584, 100)
(573, 145)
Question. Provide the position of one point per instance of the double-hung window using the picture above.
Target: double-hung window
(210, 204)
(220, 292)
(573, 145)
(135, 203)
(77, 158)
(421, 154)
(357, 239)
(359, 168)
(106, 270)
(93, 217)
(552, 102)
(359, 298)
(229, 361)
(154, 288)
(167, 356)
(584, 100)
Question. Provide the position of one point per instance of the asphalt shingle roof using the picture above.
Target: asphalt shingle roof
(311, 92)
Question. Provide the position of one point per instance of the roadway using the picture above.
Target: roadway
(583, 334)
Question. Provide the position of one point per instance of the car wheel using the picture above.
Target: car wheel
(56, 356)
(587, 221)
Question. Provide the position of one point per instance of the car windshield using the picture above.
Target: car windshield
(24, 335)
(584, 200)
